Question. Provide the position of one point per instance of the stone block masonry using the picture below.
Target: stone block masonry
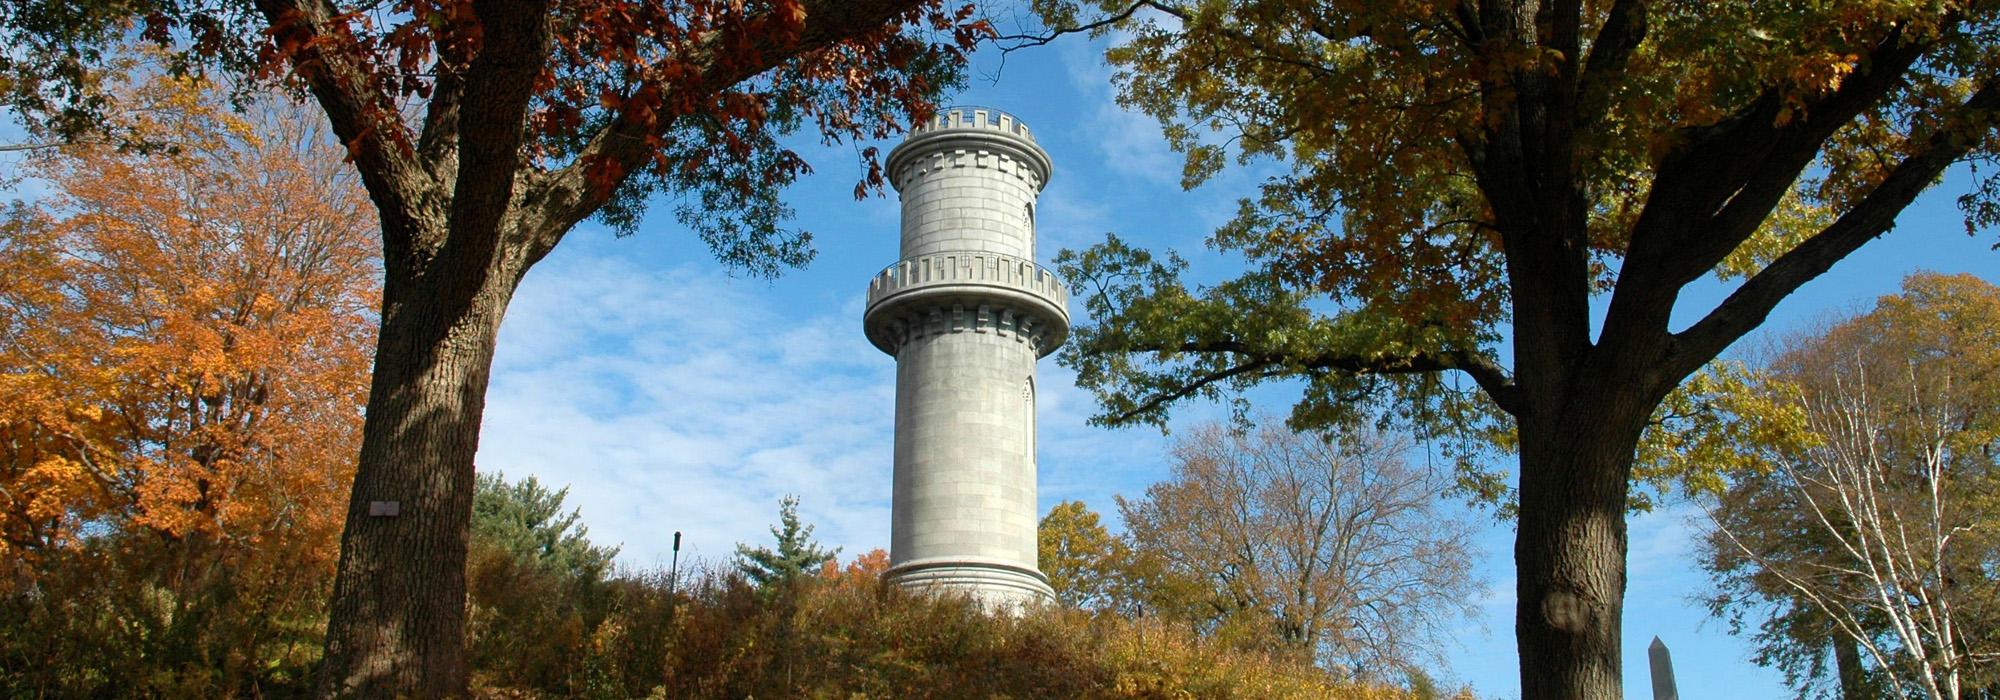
(966, 313)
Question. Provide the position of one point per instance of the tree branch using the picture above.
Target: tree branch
(1491, 377)
(1711, 196)
(1873, 216)
(362, 116)
(1161, 400)
(1030, 40)
(513, 49)
(1739, 202)
(40, 146)
(437, 146)
(566, 196)
(1623, 31)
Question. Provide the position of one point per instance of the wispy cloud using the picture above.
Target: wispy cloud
(1127, 143)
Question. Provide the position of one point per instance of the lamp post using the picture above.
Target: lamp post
(674, 576)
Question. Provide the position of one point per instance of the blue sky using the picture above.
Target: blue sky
(669, 395)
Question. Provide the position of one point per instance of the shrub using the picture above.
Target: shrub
(846, 634)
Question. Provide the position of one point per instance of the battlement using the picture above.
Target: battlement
(941, 160)
(974, 117)
(968, 267)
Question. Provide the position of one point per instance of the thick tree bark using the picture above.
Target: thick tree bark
(397, 625)
(1569, 552)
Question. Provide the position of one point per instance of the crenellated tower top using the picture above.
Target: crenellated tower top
(969, 131)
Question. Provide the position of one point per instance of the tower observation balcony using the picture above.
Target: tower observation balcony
(966, 290)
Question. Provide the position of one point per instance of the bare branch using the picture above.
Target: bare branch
(1031, 40)
(38, 146)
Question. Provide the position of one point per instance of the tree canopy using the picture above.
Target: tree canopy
(1396, 122)
(183, 354)
(183, 337)
(606, 101)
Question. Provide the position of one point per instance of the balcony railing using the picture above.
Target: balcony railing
(968, 268)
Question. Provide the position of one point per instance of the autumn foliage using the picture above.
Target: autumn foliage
(184, 344)
(1854, 476)
(187, 334)
(852, 635)
(1490, 221)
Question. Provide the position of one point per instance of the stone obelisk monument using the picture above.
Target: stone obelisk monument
(966, 313)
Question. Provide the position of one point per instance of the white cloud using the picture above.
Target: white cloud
(683, 400)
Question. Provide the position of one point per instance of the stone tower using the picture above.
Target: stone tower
(966, 313)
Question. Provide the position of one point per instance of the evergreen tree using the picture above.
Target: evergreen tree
(526, 520)
(539, 591)
(797, 554)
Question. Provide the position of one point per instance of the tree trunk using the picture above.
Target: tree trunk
(397, 624)
(1569, 552)
(1847, 667)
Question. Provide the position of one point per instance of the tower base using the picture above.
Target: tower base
(996, 585)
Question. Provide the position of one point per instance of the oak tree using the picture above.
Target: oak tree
(1486, 211)
(484, 131)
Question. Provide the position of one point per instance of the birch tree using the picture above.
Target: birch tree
(1870, 503)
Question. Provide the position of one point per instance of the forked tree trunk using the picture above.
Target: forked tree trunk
(1570, 549)
(407, 571)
